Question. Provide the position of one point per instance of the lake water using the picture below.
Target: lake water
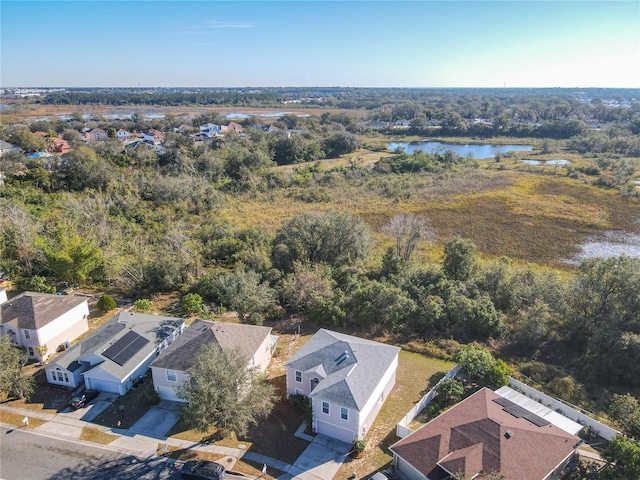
(476, 150)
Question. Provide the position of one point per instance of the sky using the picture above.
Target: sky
(320, 43)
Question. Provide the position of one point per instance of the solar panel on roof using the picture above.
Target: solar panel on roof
(125, 348)
(521, 412)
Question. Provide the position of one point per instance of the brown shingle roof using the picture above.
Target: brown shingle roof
(471, 439)
(32, 310)
(180, 355)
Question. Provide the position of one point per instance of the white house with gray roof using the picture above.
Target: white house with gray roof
(114, 355)
(33, 319)
(171, 368)
(347, 379)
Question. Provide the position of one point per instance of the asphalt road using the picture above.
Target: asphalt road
(25, 455)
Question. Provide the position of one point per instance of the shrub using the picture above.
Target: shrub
(449, 391)
(191, 303)
(143, 304)
(358, 446)
(303, 405)
(152, 397)
(106, 303)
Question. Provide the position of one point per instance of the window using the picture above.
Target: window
(298, 391)
(314, 383)
(325, 407)
(171, 375)
(344, 413)
(26, 334)
(298, 376)
(31, 354)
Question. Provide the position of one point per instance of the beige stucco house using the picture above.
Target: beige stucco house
(347, 379)
(171, 368)
(41, 319)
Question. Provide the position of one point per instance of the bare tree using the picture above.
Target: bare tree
(408, 231)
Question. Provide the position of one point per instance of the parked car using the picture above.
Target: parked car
(203, 470)
(80, 400)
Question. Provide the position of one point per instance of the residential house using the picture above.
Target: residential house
(55, 144)
(171, 368)
(41, 319)
(153, 136)
(375, 124)
(183, 128)
(485, 434)
(210, 129)
(236, 127)
(347, 379)
(96, 135)
(122, 135)
(116, 354)
(6, 147)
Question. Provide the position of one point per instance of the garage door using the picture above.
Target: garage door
(334, 431)
(102, 385)
(168, 393)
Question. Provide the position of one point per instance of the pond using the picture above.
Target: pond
(611, 244)
(557, 161)
(475, 150)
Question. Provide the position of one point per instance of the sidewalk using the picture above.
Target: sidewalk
(320, 461)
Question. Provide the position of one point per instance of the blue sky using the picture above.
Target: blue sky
(320, 43)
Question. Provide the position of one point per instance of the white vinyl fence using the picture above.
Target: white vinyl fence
(402, 428)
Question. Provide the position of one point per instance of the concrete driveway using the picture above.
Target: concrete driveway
(92, 410)
(321, 460)
(157, 421)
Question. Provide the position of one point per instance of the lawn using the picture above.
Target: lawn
(96, 436)
(415, 376)
(16, 419)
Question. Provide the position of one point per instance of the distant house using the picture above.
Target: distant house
(96, 135)
(347, 379)
(210, 129)
(236, 127)
(485, 434)
(375, 124)
(171, 368)
(34, 319)
(184, 128)
(153, 136)
(116, 354)
(122, 135)
(6, 147)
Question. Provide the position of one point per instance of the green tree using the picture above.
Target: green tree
(223, 391)
(13, 381)
(623, 455)
(191, 304)
(460, 259)
(36, 284)
(625, 411)
(335, 238)
(81, 168)
(477, 361)
(449, 391)
(244, 292)
(106, 303)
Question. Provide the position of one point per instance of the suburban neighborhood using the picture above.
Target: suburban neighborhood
(347, 380)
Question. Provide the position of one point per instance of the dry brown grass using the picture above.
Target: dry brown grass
(16, 419)
(97, 436)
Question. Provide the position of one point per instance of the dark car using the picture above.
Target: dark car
(202, 469)
(80, 400)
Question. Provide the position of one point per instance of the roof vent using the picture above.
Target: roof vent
(508, 434)
(342, 358)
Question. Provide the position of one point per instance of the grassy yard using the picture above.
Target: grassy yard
(415, 376)
(16, 419)
(96, 436)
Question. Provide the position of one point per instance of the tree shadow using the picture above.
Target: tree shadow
(433, 379)
(125, 468)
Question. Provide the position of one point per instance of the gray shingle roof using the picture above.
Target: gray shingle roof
(180, 355)
(350, 367)
(155, 328)
(33, 310)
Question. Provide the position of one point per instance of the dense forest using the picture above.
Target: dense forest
(433, 250)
